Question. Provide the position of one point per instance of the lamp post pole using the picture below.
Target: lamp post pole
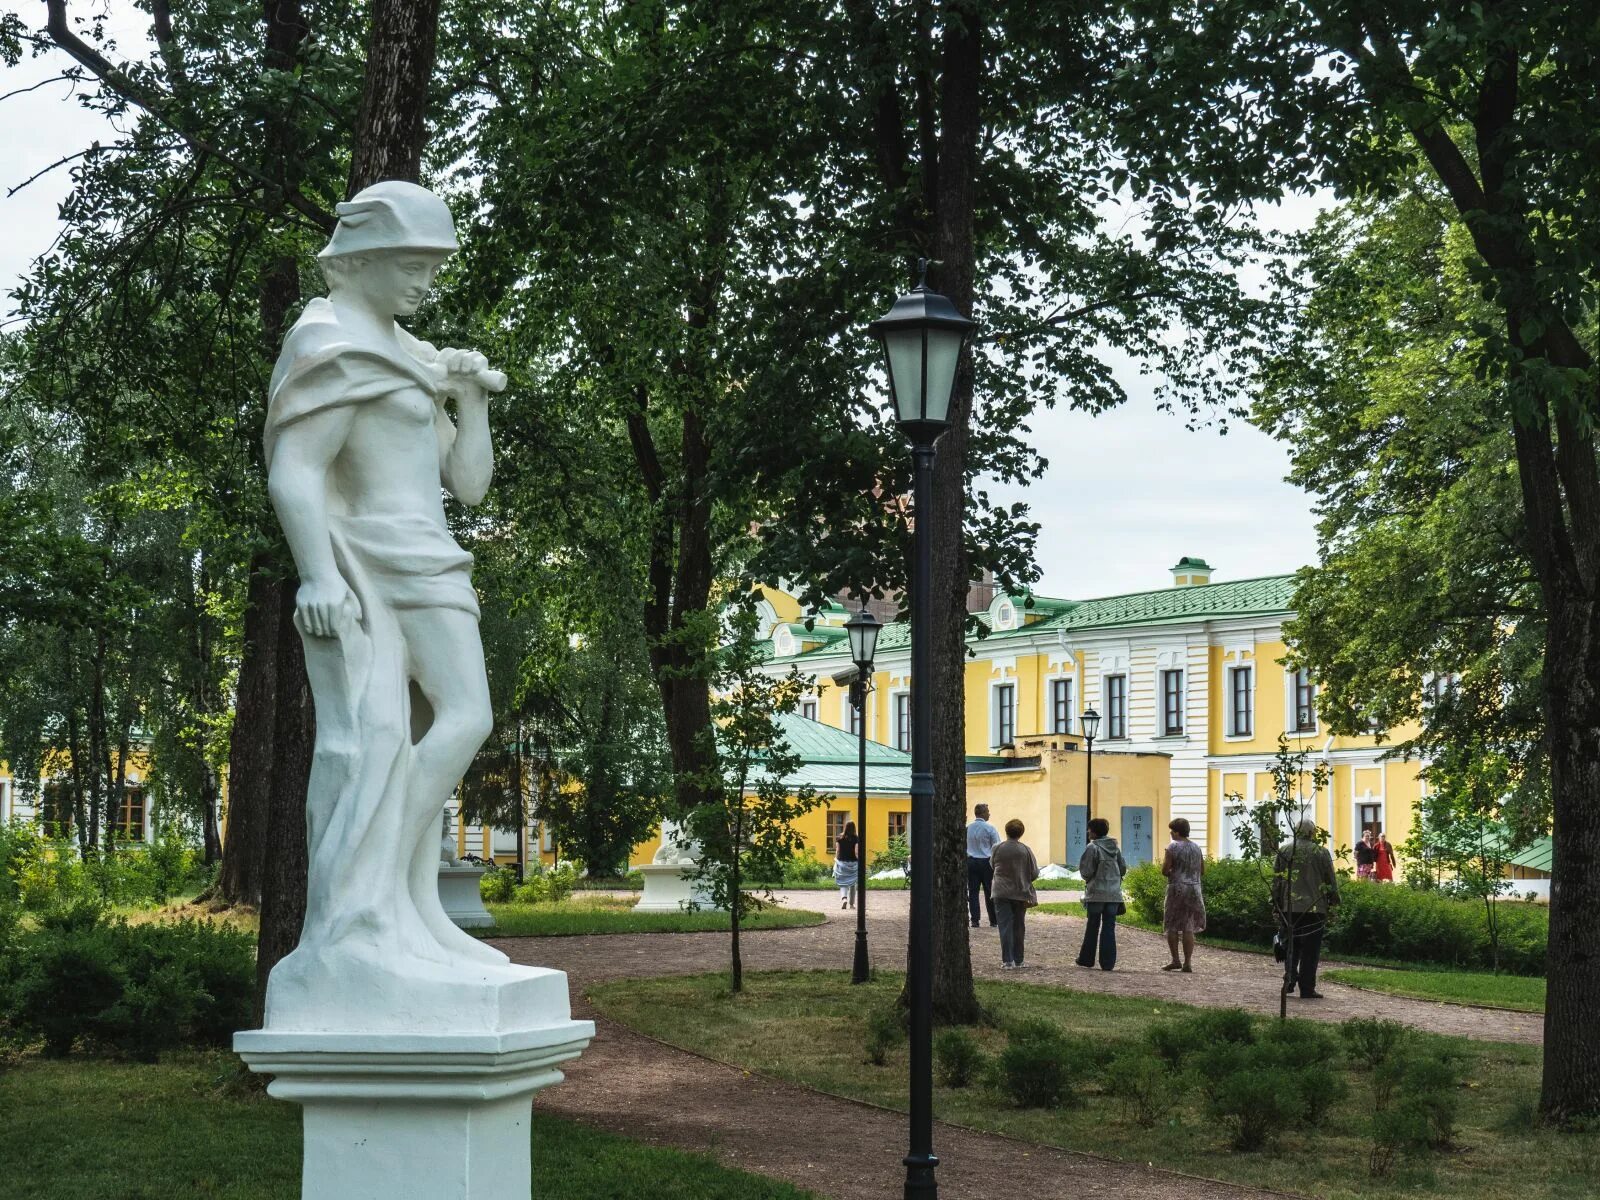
(1089, 722)
(863, 630)
(922, 337)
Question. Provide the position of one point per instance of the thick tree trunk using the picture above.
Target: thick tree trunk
(392, 128)
(954, 1000)
(250, 750)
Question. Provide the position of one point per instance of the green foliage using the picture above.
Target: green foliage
(895, 855)
(497, 884)
(885, 1030)
(42, 875)
(1146, 888)
(1371, 1042)
(1415, 1099)
(1040, 1065)
(1177, 1042)
(1257, 1104)
(1146, 1088)
(958, 1057)
(131, 990)
(546, 886)
(805, 867)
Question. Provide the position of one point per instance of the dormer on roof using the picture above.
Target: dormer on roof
(1190, 572)
(792, 638)
(1007, 612)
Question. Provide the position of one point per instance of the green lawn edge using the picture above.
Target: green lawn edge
(565, 919)
(1473, 989)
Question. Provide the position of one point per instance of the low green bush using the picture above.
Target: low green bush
(1141, 1081)
(885, 1030)
(1370, 1043)
(545, 885)
(130, 990)
(1040, 1065)
(497, 884)
(805, 867)
(958, 1057)
(1293, 1043)
(1175, 1042)
(1257, 1104)
(1146, 889)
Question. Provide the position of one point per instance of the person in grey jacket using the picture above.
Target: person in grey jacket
(1102, 867)
(1304, 891)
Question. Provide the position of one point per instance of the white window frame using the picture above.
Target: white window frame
(808, 707)
(848, 711)
(897, 698)
(1291, 711)
(1112, 717)
(1229, 707)
(997, 733)
(1061, 683)
(1183, 701)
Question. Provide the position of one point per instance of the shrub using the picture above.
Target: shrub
(546, 886)
(497, 884)
(885, 1031)
(1371, 1043)
(1177, 1041)
(1238, 900)
(133, 990)
(805, 867)
(1256, 1104)
(895, 856)
(1425, 1080)
(1039, 1064)
(1297, 1043)
(1146, 889)
(1403, 1127)
(958, 1057)
(1147, 1089)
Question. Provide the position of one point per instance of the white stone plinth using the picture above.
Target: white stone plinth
(458, 892)
(670, 887)
(396, 1116)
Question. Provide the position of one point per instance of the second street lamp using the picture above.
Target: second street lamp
(863, 630)
(1090, 722)
(922, 337)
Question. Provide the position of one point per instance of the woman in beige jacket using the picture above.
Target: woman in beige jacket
(1015, 869)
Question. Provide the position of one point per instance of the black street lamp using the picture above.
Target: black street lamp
(863, 630)
(922, 337)
(1090, 721)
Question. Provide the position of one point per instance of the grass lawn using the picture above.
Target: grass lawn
(82, 1129)
(1518, 992)
(808, 1027)
(614, 914)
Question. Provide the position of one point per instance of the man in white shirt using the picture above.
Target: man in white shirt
(982, 838)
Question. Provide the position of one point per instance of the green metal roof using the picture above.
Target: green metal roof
(819, 743)
(1538, 857)
(1269, 594)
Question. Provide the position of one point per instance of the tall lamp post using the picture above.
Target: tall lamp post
(1090, 723)
(922, 337)
(863, 630)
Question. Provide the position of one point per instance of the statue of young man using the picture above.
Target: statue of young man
(358, 448)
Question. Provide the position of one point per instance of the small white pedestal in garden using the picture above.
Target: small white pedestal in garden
(669, 887)
(389, 1116)
(458, 892)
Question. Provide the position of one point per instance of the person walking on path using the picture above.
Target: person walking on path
(1102, 867)
(1184, 913)
(847, 865)
(982, 838)
(1304, 891)
(1015, 869)
(1366, 853)
(1384, 869)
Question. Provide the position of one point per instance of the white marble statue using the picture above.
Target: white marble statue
(677, 847)
(359, 448)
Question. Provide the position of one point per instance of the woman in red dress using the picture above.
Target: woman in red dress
(1385, 868)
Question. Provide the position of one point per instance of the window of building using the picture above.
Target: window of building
(836, 822)
(902, 721)
(55, 810)
(1305, 702)
(1370, 816)
(808, 708)
(130, 821)
(1116, 714)
(1005, 714)
(1061, 706)
(1171, 702)
(1241, 701)
(900, 825)
(852, 718)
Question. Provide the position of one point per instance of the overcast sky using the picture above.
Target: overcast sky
(1127, 494)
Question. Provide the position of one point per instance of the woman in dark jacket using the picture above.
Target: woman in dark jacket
(1102, 867)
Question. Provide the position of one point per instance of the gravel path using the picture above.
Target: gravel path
(1222, 978)
(655, 1093)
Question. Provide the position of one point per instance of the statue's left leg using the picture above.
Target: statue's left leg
(446, 660)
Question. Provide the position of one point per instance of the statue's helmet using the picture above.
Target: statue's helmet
(392, 215)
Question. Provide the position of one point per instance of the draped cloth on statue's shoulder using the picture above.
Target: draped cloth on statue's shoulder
(362, 845)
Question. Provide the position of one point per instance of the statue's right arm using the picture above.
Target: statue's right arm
(298, 485)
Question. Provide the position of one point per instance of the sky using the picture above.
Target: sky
(1126, 495)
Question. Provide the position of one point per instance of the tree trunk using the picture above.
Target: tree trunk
(283, 891)
(250, 749)
(208, 814)
(954, 999)
(392, 128)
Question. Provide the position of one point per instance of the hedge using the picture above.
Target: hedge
(1383, 920)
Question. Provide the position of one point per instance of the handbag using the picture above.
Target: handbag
(1122, 909)
(1279, 950)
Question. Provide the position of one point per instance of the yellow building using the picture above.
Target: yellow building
(52, 803)
(1190, 676)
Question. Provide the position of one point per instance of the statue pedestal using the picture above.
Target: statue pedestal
(444, 1116)
(458, 892)
(669, 887)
